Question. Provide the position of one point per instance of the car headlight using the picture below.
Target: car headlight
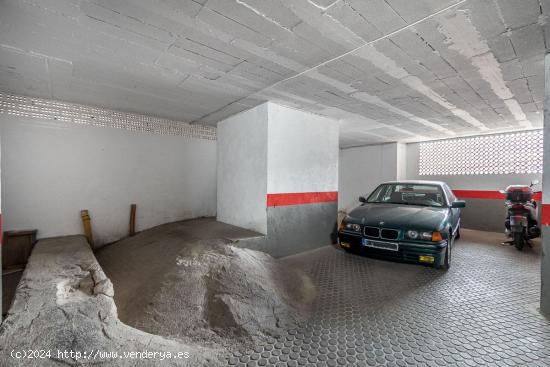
(352, 227)
(413, 235)
(423, 235)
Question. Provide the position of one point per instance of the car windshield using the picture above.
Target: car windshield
(408, 194)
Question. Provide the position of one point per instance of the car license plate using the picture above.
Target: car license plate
(392, 246)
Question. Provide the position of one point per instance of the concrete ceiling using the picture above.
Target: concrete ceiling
(389, 70)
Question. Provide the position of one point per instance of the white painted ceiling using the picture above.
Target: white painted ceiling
(389, 70)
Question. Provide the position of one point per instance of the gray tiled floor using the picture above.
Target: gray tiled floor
(482, 312)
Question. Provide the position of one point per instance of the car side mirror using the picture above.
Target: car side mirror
(458, 204)
(362, 199)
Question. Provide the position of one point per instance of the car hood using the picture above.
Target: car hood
(400, 216)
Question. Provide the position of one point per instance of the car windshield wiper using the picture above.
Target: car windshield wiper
(384, 202)
(421, 204)
(402, 203)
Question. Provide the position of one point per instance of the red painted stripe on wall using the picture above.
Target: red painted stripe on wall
(487, 194)
(297, 198)
(545, 215)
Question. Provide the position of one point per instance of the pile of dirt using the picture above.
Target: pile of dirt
(220, 293)
(208, 291)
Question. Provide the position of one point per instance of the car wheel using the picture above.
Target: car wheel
(448, 251)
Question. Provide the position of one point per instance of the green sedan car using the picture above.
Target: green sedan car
(413, 221)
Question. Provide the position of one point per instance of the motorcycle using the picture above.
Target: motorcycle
(521, 221)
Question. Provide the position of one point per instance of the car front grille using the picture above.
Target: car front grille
(372, 232)
(385, 233)
(389, 234)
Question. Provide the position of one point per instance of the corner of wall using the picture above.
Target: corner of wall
(401, 164)
(242, 169)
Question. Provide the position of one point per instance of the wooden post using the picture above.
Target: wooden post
(87, 223)
(132, 220)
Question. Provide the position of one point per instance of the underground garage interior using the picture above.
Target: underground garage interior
(275, 183)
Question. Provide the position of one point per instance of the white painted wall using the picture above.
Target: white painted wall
(242, 169)
(302, 151)
(467, 182)
(1, 226)
(481, 214)
(545, 259)
(52, 170)
(362, 169)
(401, 162)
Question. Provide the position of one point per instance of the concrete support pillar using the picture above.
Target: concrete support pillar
(545, 216)
(278, 175)
(242, 169)
(1, 233)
